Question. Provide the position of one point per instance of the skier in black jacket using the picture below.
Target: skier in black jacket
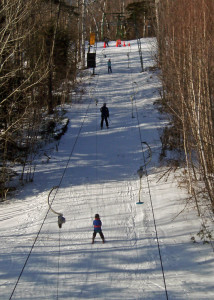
(104, 115)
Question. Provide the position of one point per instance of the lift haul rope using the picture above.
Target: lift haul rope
(61, 219)
(140, 173)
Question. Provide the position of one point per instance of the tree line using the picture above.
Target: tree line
(38, 60)
(41, 53)
(185, 35)
(42, 49)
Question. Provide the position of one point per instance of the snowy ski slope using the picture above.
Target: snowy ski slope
(97, 173)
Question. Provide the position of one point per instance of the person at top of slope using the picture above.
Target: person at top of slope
(97, 228)
(104, 115)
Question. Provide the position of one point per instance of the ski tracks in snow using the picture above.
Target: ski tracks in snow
(99, 170)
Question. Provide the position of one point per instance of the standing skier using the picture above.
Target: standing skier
(104, 115)
(109, 66)
(97, 228)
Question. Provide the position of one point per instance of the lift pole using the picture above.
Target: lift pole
(139, 45)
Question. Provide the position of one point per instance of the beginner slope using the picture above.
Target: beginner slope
(148, 252)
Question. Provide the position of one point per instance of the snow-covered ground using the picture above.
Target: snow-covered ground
(148, 252)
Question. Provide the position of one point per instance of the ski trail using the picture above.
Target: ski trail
(101, 177)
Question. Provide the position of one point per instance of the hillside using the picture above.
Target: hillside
(148, 252)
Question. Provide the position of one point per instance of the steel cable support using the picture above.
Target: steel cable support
(147, 178)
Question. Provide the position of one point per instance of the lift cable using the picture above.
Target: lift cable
(91, 92)
(155, 226)
(57, 187)
(147, 178)
(58, 266)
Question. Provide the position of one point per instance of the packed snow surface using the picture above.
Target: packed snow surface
(148, 252)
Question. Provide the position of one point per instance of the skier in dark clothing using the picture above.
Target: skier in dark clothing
(106, 41)
(104, 115)
(97, 228)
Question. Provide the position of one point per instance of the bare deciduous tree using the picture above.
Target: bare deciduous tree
(185, 43)
(36, 59)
